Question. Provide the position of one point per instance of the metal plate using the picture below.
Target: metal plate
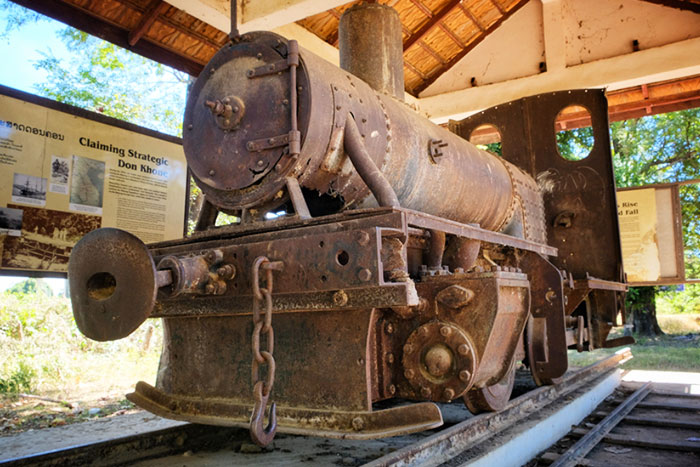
(219, 156)
(112, 284)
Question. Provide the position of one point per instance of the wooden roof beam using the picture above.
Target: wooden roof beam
(149, 17)
(453, 61)
(254, 15)
(678, 4)
(432, 22)
(655, 64)
(80, 19)
(467, 12)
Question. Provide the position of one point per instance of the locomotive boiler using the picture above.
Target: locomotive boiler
(378, 256)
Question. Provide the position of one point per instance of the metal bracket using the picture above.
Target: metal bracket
(257, 145)
(293, 138)
(435, 149)
(268, 69)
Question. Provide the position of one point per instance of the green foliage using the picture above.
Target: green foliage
(43, 350)
(661, 149)
(575, 144)
(31, 286)
(16, 17)
(19, 380)
(657, 149)
(104, 78)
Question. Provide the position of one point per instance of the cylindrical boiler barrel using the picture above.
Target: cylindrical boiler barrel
(237, 121)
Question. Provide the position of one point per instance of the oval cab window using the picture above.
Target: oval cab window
(488, 138)
(574, 133)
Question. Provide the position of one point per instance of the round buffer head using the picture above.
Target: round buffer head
(112, 280)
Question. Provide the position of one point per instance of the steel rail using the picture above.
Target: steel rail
(192, 437)
(583, 446)
(448, 443)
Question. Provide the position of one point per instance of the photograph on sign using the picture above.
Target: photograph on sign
(29, 189)
(68, 171)
(87, 185)
(10, 221)
(60, 173)
(46, 240)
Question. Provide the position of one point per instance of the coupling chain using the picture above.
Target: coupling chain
(262, 324)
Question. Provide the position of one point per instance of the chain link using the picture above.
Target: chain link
(262, 324)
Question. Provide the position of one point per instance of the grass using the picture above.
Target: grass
(67, 378)
(678, 350)
(42, 353)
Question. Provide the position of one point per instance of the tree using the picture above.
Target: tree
(31, 286)
(102, 77)
(660, 149)
(105, 78)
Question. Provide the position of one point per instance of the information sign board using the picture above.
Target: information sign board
(65, 171)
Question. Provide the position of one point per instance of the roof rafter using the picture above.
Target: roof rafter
(147, 20)
(453, 61)
(433, 22)
(688, 6)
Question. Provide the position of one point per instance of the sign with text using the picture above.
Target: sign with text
(66, 172)
(651, 236)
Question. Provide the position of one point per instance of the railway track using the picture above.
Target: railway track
(640, 427)
(463, 438)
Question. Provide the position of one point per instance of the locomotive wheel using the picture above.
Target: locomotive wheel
(492, 398)
(536, 342)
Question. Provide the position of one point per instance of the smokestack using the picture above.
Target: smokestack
(371, 47)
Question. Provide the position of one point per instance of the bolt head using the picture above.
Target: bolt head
(463, 349)
(408, 348)
(425, 392)
(445, 331)
(409, 374)
(423, 331)
(340, 298)
(464, 376)
(212, 172)
(390, 358)
(364, 275)
(358, 423)
(190, 126)
(362, 238)
(392, 389)
(449, 394)
(389, 328)
(210, 288)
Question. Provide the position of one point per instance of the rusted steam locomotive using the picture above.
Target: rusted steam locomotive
(400, 262)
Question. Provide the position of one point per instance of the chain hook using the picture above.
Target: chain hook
(263, 325)
(262, 436)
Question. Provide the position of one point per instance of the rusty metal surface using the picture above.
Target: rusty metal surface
(494, 397)
(370, 42)
(586, 188)
(546, 330)
(446, 186)
(220, 119)
(579, 196)
(112, 281)
(444, 445)
(331, 424)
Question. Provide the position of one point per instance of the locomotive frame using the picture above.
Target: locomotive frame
(468, 264)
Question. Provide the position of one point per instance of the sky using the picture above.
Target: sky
(19, 50)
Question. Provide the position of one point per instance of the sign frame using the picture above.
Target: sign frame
(679, 251)
(98, 118)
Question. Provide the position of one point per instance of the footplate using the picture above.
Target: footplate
(299, 421)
